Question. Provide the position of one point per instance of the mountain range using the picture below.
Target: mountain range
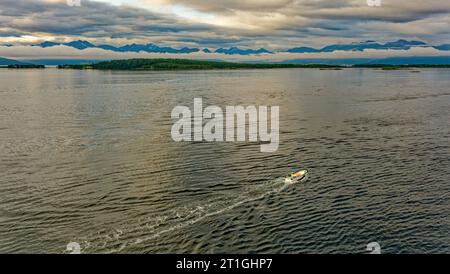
(236, 50)
(361, 46)
(81, 45)
(7, 62)
(152, 48)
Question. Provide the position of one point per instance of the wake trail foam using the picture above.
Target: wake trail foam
(180, 218)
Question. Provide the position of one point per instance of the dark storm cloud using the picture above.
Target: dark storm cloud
(31, 16)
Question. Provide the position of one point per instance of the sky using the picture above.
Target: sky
(273, 24)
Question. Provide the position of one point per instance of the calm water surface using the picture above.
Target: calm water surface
(87, 156)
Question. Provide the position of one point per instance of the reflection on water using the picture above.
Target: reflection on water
(87, 156)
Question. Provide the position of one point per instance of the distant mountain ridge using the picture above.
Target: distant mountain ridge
(400, 44)
(236, 50)
(152, 48)
(445, 47)
(7, 62)
(361, 46)
(81, 45)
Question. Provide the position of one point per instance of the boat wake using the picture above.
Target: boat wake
(155, 226)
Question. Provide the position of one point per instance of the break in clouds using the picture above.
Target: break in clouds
(273, 24)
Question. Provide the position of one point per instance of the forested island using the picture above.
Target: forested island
(185, 64)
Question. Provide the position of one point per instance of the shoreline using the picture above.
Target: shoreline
(164, 64)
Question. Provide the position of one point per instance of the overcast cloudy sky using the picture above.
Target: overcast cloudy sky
(274, 24)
